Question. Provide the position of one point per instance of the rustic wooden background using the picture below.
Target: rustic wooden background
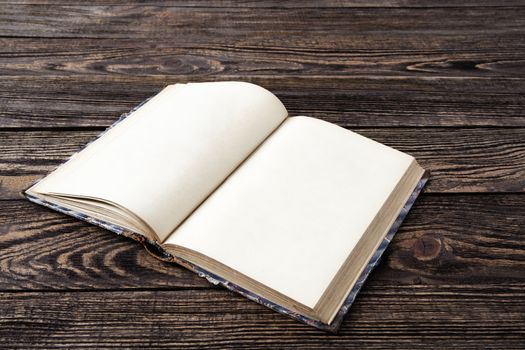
(442, 80)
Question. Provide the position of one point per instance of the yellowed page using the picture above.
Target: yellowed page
(169, 155)
(292, 213)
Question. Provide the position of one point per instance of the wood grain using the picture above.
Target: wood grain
(97, 100)
(442, 80)
(460, 160)
(218, 319)
(328, 27)
(45, 250)
(281, 4)
(454, 55)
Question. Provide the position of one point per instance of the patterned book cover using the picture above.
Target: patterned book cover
(156, 250)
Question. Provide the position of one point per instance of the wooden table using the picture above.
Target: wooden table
(441, 80)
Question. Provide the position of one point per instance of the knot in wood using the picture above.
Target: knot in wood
(426, 248)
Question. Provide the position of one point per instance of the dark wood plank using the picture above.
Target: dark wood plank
(218, 319)
(465, 242)
(96, 100)
(43, 250)
(460, 160)
(394, 54)
(282, 4)
(267, 27)
(454, 276)
(470, 240)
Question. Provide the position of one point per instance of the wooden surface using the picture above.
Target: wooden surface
(442, 80)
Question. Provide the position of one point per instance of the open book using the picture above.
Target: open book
(292, 212)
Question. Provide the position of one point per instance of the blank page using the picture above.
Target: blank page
(164, 159)
(292, 213)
